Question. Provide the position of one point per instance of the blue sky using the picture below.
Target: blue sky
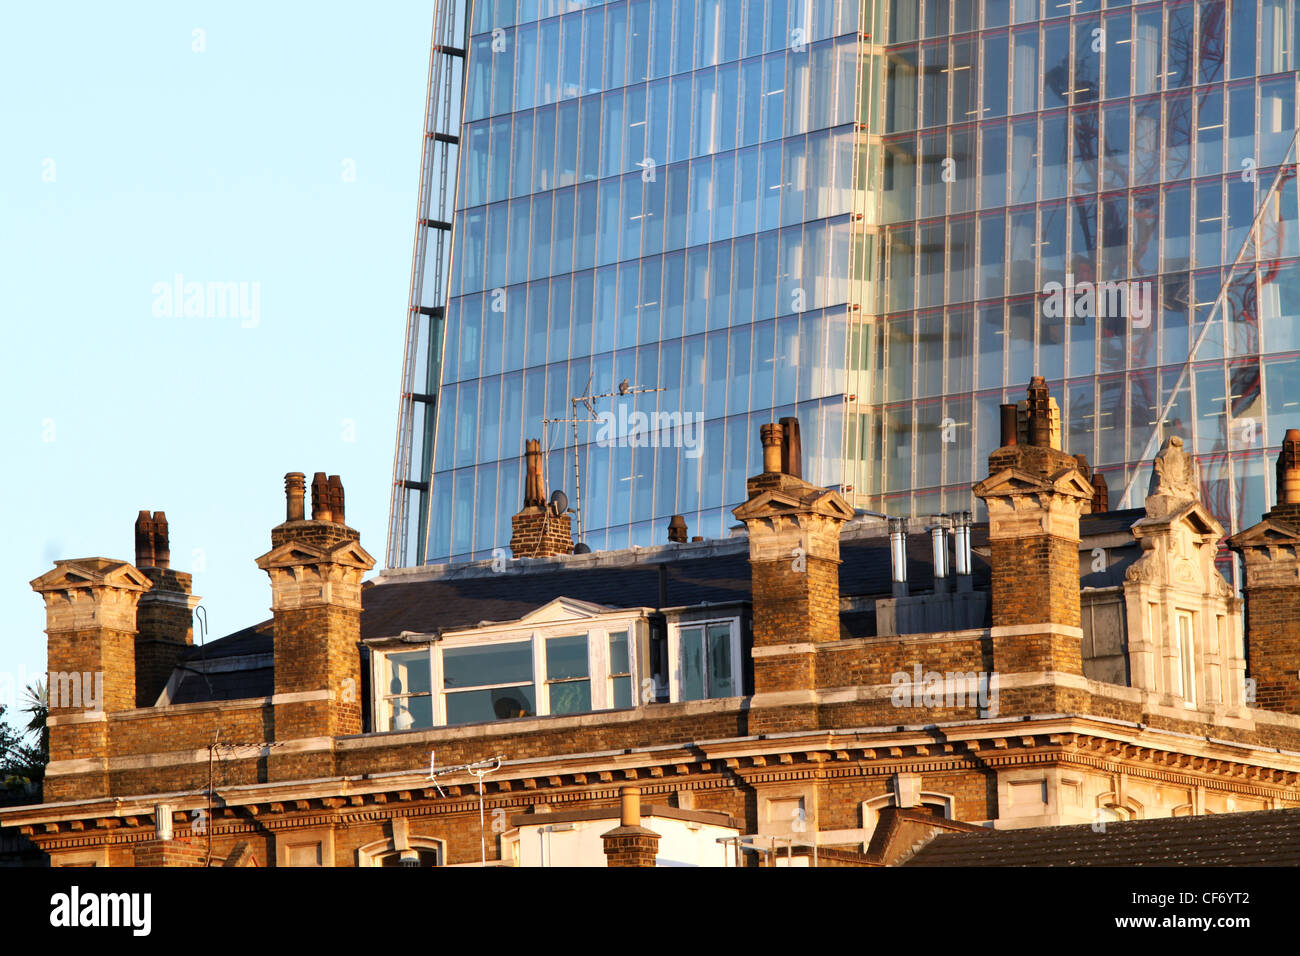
(131, 156)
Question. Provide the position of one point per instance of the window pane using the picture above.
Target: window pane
(408, 673)
(721, 679)
(622, 692)
(692, 665)
(409, 713)
(487, 664)
(566, 657)
(571, 697)
(618, 663)
(500, 703)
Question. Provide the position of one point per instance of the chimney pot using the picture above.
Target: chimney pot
(630, 809)
(1288, 469)
(162, 549)
(677, 529)
(295, 485)
(534, 480)
(144, 540)
(320, 498)
(336, 498)
(1039, 413)
(1100, 493)
(1010, 425)
(791, 448)
(771, 436)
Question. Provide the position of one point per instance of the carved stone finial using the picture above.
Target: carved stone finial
(1175, 479)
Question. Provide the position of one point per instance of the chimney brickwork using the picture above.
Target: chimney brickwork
(90, 621)
(1035, 494)
(794, 556)
(1270, 551)
(537, 532)
(315, 567)
(630, 844)
(165, 616)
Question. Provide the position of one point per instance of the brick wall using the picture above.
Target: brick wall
(1273, 626)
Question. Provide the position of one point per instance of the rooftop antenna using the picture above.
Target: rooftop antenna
(479, 769)
(588, 402)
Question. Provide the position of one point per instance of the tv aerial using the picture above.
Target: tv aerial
(587, 402)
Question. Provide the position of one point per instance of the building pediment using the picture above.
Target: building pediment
(78, 573)
(565, 609)
(1012, 482)
(1192, 515)
(297, 553)
(822, 501)
(1266, 534)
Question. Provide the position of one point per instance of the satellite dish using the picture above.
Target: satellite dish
(559, 502)
(582, 548)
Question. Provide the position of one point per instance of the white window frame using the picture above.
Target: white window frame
(610, 677)
(675, 655)
(379, 681)
(597, 630)
(440, 692)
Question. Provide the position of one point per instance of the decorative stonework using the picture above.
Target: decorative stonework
(91, 593)
(303, 575)
(1176, 578)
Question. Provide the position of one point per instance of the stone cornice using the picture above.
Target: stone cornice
(1096, 743)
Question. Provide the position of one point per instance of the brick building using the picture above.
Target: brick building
(824, 686)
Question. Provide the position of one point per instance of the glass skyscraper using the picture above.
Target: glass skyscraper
(855, 213)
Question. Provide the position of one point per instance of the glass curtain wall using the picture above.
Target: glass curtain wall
(1032, 142)
(658, 193)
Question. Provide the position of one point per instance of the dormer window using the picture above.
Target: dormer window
(569, 657)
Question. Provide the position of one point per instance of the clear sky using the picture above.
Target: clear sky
(273, 145)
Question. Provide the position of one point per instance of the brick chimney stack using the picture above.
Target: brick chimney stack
(794, 556)
(1035, 494)
(315, 567)
(165, 616)
(1270, 552)
(538, 532)
(90, 620)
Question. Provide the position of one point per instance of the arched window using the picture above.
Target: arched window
(418, 851)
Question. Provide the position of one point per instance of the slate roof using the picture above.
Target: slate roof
(251, 680)
(1256, 838)
(225, 685)
(715, 572)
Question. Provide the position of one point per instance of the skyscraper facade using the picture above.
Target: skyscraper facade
(880, 217)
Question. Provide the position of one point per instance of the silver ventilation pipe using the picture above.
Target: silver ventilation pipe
(961, 539)
(939, 539)
(898, 555)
